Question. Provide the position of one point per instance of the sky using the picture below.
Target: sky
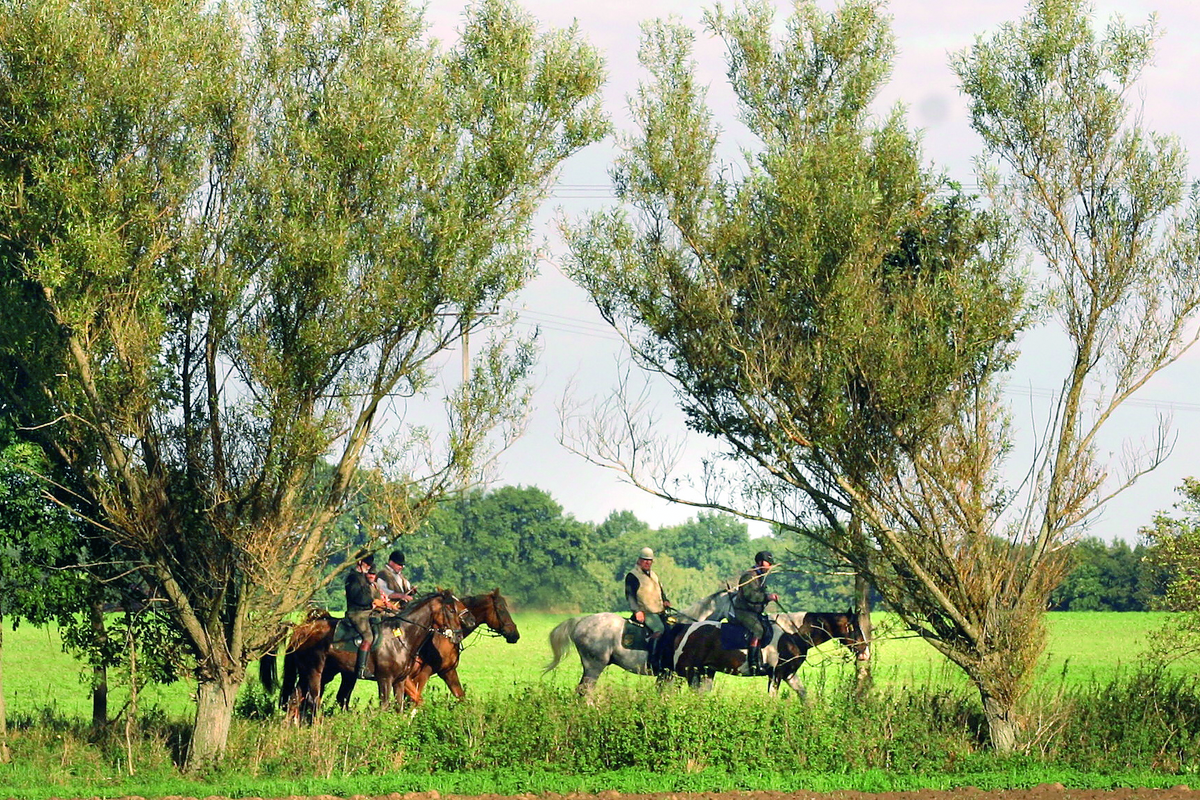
(581, 354)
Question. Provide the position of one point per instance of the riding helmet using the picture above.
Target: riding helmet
(397, 557)
(764, 555)
(646, 553)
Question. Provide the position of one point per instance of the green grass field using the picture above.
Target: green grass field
(1084, 647)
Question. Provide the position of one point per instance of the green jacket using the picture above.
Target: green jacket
(752, 591)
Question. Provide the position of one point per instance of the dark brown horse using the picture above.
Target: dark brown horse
(314, 657)
(698, 653)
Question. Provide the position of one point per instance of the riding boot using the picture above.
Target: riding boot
(360, 664)
(754, 658)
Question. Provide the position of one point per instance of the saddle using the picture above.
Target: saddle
(636, 636)
(346, 638)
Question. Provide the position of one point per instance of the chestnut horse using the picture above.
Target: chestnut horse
(313, 657)
(439, 655)
(698, 654)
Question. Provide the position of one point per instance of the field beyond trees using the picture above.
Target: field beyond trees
(1085, 648)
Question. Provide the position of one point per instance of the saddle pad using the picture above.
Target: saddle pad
(635, 637)
(734, 636)
(345, 635)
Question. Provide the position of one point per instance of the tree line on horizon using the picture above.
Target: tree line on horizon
(519, 539)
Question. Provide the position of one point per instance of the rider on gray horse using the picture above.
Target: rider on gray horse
(648, 601)
(751, 601)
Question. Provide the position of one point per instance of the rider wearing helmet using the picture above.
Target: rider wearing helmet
(359, 604)
(751, 601)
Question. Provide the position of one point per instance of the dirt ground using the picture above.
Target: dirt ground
(1051, 791)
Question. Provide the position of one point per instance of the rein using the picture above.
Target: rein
(454, 636)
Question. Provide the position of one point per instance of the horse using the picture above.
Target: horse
(439, 655)
(597, 638)
(313, 659)
(697, 653)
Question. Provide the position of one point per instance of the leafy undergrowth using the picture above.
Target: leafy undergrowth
(1137, 730)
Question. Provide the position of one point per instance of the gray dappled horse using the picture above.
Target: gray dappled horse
(597, 637)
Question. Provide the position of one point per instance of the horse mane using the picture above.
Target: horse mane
(716, 605)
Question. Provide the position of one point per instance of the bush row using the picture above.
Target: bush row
(1139, 721)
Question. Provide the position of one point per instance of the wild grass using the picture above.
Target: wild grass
(1097, 717)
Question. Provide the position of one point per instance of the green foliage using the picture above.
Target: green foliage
(1108, 577)
(37, 537)
(1175, 553)
(1141, 728)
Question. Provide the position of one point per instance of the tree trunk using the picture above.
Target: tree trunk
(99, 671)
(862, 601)
(215, 698)
(4, 754)
(1003, 728)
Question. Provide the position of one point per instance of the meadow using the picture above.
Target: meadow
(1084, 648)
(1098, 717)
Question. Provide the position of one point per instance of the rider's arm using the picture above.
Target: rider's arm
(631, 590)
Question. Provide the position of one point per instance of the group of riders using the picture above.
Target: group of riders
(371, 592)
(648, 601)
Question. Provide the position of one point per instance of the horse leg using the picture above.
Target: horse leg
(384, 684)
(450, 676)
(592, 667)
(793, 681)
(414, 684)
(346, 689)
(310, 705)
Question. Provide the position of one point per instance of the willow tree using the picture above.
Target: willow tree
(235, 241)
(841, 320)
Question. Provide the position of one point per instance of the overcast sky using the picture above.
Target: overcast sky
(579, 349)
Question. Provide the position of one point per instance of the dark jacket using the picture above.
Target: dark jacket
(358, 592)
(752, 591)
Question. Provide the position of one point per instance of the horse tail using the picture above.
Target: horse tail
(267, 673)
(561, 641)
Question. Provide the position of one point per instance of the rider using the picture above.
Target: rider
(392, 583)
(751, 601)
(378, 601)
(648, 601)
(358, 609)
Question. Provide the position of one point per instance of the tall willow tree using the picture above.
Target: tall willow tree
(235, 239)
(831, 311)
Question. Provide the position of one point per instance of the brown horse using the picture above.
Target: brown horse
(313, 656)
(698, 654)
(439, 655)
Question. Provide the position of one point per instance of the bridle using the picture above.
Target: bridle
(455, 636)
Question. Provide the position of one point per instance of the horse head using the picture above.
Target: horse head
(850, 633)
(452, 616)
(491, 609)
(717, 605)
